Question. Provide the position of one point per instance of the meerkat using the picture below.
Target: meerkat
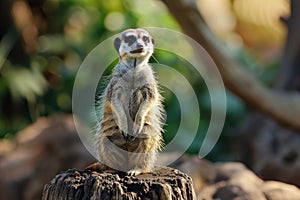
(130, 130)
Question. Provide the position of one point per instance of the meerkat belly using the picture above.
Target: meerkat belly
(112, 132)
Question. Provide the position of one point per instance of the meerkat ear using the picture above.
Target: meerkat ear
(152, 40)
(117, 43)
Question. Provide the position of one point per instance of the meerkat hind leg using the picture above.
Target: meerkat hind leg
(143, 160)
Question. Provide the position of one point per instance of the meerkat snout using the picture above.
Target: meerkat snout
(139, 48)
(134, 43)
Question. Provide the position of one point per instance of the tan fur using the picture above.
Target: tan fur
(130, 133)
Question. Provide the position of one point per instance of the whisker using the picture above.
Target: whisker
(155, 59)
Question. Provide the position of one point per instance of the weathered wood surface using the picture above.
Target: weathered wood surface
(163, 183)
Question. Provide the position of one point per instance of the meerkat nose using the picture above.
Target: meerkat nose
(139, 45)
(139, 48)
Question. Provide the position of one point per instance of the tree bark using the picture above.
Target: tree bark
(163, 183)
(282, 106)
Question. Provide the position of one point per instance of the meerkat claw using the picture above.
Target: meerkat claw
(125, 135)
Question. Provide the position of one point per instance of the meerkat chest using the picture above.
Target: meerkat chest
(136, 78)
(139, 75)
(130, 88)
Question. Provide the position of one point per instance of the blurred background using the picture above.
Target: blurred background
(43, 43)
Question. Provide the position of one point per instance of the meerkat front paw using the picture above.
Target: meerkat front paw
(137, 129)
(138, 126)
(122, 124)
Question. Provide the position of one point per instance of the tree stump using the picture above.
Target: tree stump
(162, 183)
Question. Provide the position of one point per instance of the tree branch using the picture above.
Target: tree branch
(288, 77)
(284, 107)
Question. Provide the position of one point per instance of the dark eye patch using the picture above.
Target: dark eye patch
(145, 39)
(130, 39)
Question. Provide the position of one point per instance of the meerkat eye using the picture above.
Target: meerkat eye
(130, 39)
(145, 39)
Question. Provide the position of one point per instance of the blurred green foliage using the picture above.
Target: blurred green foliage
(41, 84)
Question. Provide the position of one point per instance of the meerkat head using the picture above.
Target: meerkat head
(134, 43)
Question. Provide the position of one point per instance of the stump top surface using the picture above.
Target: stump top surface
(162, 183)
